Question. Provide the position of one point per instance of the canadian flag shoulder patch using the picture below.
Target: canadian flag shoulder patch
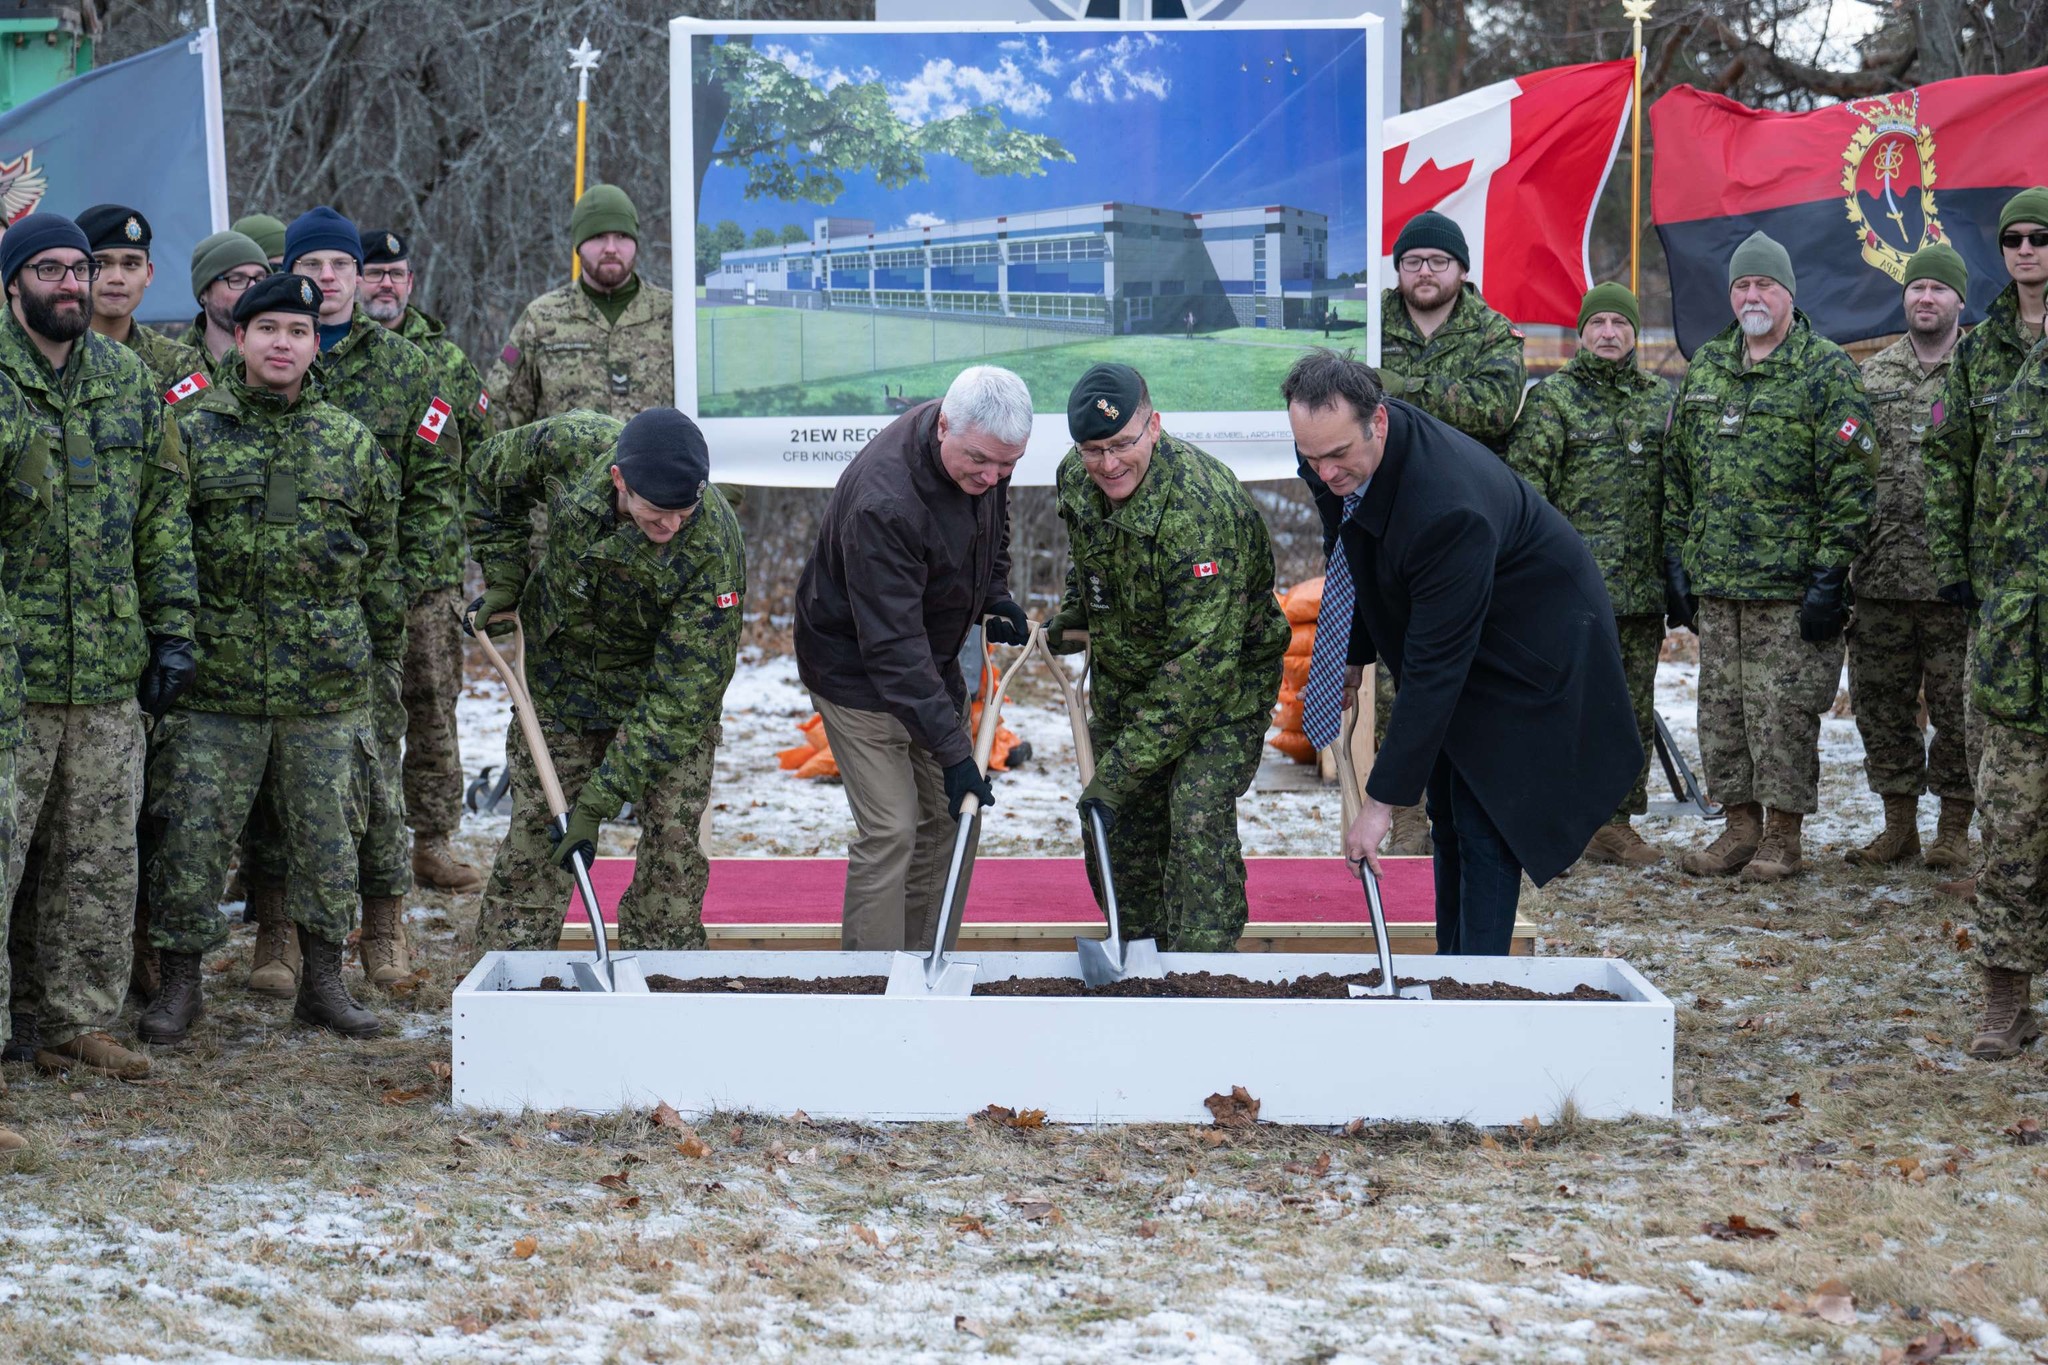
(437, 415)
(1206, 569)
(186, 387)
(1847, 431)
(728, 599)
(483, 403)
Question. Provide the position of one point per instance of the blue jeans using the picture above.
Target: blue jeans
(1478, 880)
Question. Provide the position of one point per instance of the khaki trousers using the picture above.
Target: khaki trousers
(903, 842)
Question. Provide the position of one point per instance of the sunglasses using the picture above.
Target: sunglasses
(2037, 239)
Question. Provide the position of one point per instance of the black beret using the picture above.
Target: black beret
(1104, 402)
(114, 225)
(664, 459)
(279, 294)
(382, 246)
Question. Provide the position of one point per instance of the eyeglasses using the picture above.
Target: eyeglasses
(240, 280)
(2037, 239)
(1118, 448)
(395, 274)
(1411, 264)
(49, 272)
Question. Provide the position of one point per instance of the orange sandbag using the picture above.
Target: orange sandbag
(1293, 674)
(794, 758)
(999, 751)
(819, 764)
(814, 730)
(1287, 715)
(1295, 745)
(1304, 642)
(1303, 601)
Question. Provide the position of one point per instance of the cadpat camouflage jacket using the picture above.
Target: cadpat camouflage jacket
(458, 381)
(166, 360)
(1591, 441)
(23, 505)
(2009, 550)
(1895, 564)
(625, 635)
(564, 355)
(1175, 590)
(1980, 370)
(1769, 470)
(1469, 373)
(112, 564)
(295, 523)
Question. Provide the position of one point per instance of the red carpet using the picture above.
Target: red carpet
(1030, 891)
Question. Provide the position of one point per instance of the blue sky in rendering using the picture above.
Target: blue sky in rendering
(1183, 120)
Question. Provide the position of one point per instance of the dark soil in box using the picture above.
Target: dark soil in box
(1174, 986)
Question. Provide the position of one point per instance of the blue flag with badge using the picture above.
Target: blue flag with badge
(144, 132)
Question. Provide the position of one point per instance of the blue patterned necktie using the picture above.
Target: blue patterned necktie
(1322, 700)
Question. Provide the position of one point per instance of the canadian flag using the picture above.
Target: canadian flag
(1520, 165)
(437, 415)
(186, 387)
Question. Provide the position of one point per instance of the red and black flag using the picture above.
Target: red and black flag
(1851, 191)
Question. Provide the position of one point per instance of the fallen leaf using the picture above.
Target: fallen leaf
(362, 1191)
(517, 1142)
(1036, 1211)
(1737, 1229)
(1531, 1124)
(974, 1327)
(1831, 1301)
(967, 1224)
(631, 1201)
(1487, 1143)
(694, 1148)
(442, 1071)
(525, 1247)
(1695, 1300)
(1792, 1101)
(464, 1140)
(1530, 1260)
(406, 1096)
(1945, 1339)
(1236, 1110)
(406, 985)
(666, 1116)
(807, 1157)
(1355, 1128)
(1706, 1003)
(1147, 1228)
(469, 1324)
(615, 1181)
(1908, 1169)
(1013, 1118)
(2027, 1133)
(866, 1234)
(1962, 940)
(799, 1117)
(1209, 1137)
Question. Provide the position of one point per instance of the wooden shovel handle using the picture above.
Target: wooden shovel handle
(1077, 710)
(514, 674)
(991, 713)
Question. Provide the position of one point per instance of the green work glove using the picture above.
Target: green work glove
(1094, 799)
(1056, 632)
(580, 837)
(496, 599)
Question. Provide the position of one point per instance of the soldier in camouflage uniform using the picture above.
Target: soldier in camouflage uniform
(223, 265)
(384, 382)
(267, 230)
(1769, 472)
(28, 472)
(1591, 440)
(433, 650)
(1443, 350)
(1172, 578)
(1905, 640)
(120, 240)
(300, 606)
(633, 623)
(105, 595)
(605, 342)
(1987, 521)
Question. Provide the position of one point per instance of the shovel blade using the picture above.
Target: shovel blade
(1358, 992)
(627, 977)
(1141, 958)
(1098, 968)
(907, 977)
(589, 979)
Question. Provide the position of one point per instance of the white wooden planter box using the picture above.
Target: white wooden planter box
(1080, 1060)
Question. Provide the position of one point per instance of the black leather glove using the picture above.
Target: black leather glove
(1681, 604)
(964, 777)
(171, 669)
(578, 835)
(1958, 595)
(1091, 803)
(1008, 625)
(1825, 608)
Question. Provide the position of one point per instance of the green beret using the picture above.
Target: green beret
(1760, 255)
(2028, 206)
(1942, 263)
(264, 230)
(1103, 403)
(215, 256)
(603, 208)
(1612, 297)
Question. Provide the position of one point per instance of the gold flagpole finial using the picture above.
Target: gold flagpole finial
(583, 59)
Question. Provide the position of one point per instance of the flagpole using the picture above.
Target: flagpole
(582, 60)
(1637, 11)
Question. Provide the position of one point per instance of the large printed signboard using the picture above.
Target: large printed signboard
(875, 207)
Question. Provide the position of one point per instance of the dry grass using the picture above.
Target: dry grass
(276, 1194)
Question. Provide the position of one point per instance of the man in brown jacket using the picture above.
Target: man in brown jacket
(913, 551)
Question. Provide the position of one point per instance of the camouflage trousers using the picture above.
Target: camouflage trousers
(1174, 849)
(2012, 890)
(1762, 692)
(1641, 639)
(206, 771)
(1895, 649)
(433, 680)
(72, 871)
(528, 894)
(384, 861)
(6, 855)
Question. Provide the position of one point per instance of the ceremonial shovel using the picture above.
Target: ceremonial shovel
(1102, 961)
(934, 974)
(604, 974)
(1347, 783)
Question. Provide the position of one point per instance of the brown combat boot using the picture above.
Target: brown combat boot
(95, 1051)
(1731, 852)
(1897, 841)
(142, 973)
(435, 864)
(1963, 888)
(323, 1000)
(1409, 838)
(2007, 1023)
(274, 970)
(1620, 845)
(180, 1002)
(382, 942)
(1950, 850)
(1777, 857)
